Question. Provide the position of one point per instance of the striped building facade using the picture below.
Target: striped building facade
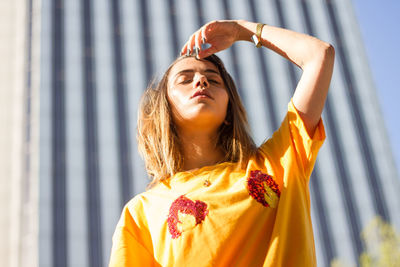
(85, 65)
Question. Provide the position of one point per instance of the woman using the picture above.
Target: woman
(215, 198)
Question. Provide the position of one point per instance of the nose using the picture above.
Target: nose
(201, 81)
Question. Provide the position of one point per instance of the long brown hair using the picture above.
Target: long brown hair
(157, 138)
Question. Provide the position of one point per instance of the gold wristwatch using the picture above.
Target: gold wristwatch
(256, 38)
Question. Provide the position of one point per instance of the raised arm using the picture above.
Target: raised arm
(312, 55)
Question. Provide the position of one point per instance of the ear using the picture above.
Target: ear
(226, 122)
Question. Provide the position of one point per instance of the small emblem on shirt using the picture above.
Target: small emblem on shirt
(263, 188)
(185, 214)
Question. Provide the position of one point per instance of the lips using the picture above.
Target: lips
(201, 93)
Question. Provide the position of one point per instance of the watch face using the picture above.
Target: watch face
(255, 40)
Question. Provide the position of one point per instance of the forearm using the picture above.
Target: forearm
(301, 49)
(313, 56)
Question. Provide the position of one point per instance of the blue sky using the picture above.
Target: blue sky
(380, 28)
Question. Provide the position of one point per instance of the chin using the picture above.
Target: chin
(206, 120)
(202, 116)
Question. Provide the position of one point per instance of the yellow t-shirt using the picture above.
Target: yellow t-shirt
(223, 215)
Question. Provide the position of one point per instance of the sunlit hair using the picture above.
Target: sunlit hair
(158, 141)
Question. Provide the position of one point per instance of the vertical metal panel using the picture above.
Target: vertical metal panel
(75, 138)
(146, 35)
(91, 139)
(28, 104)
(58, 137)
(45, 135)
(15, 118)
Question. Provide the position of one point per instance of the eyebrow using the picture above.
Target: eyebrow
(191, 71)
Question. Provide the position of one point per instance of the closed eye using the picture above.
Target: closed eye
(186, 81)
(214, 81)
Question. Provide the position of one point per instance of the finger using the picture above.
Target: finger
(188, 50)
(204, 44)
(203, 35)
(197, 41)
(183, 49)
(207, 52)
(191, 43)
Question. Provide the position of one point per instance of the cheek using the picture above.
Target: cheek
(224, 102)
(176, 101)
(178, 96)
(172, 99)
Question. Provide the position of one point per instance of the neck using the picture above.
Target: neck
(200, 149)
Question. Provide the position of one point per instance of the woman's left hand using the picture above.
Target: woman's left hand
(219, 34)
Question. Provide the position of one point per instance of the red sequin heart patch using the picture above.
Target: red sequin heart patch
(198, 209)
(263, 188)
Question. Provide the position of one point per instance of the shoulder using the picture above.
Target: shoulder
(145, 202)
(133, 207)
(138, 201)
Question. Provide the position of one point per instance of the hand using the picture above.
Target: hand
(220, 35)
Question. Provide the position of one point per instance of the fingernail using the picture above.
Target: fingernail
(188, 52)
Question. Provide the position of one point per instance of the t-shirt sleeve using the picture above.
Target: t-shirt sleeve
(129, 247)
(292, 139)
